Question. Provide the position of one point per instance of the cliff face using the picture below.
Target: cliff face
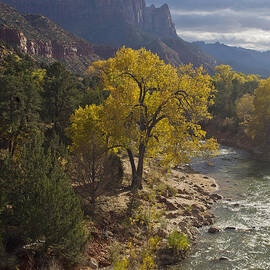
(119, 22)
(83, 17)
(159, 21)
(42, 39)
(41, 48)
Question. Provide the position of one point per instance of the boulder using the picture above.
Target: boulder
(213, 230)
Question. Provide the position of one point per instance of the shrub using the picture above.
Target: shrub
(165, 189)
(139, 259)
(121, 264)
(178, 241)
(95, 173)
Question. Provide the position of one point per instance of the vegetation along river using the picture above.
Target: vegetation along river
(245, 185)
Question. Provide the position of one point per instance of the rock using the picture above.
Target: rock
(208, 220)
(182, 225)
(37, 44)
(158, 21)
(172, 215)
(216, 197)
(198, 207)
(186, 213)
(161, 199)
(167, 259)
(213, 230)
(213, 185)
(197, 224)
(170, 206)
(161, 233)
(223, 259)
(230, 228)
(236, 205)
(179, 191)
(108, 234)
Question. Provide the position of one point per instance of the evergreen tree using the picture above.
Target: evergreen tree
(60, 98)
(43, 209)
(19, 101)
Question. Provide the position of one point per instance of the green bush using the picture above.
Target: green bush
(178, 241)
(42, 211)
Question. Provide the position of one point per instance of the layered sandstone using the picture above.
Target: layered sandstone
(42, 39)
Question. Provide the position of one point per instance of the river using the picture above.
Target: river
(245, 186)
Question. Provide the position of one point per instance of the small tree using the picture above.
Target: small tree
(41, 206)
(93, 168)
(245, 108)
(153, 109)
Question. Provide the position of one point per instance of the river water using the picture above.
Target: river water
(245, 186)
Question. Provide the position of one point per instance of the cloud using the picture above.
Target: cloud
(252, 39)
(234, 22)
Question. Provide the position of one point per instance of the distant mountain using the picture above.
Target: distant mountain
(44, 40)
(120, 22)
(240, 59)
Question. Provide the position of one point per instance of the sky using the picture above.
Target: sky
(242, 23)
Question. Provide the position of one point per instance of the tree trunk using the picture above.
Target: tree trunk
(132, 162)
(11, 146)
(137, 177)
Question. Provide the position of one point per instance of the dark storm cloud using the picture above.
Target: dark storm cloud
(234, 22)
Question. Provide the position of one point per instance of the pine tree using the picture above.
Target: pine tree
(60, 98)
(19, 101)
(42, 206)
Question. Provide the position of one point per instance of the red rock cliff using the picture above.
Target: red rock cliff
(47, 49)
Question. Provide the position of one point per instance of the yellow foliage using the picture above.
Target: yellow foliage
(86, 128)
(245, 108)
(39, 75)
(259, 128)
(121, 264)
(155, 105)
(148, 262)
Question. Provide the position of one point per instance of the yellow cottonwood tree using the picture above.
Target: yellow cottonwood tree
(259, 127)
(245, 108)
(153, 109)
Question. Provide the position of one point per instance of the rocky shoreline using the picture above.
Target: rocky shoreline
(190, 209)
(186, 210)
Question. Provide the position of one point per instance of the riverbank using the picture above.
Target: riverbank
(179, 200)
(237, 137)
